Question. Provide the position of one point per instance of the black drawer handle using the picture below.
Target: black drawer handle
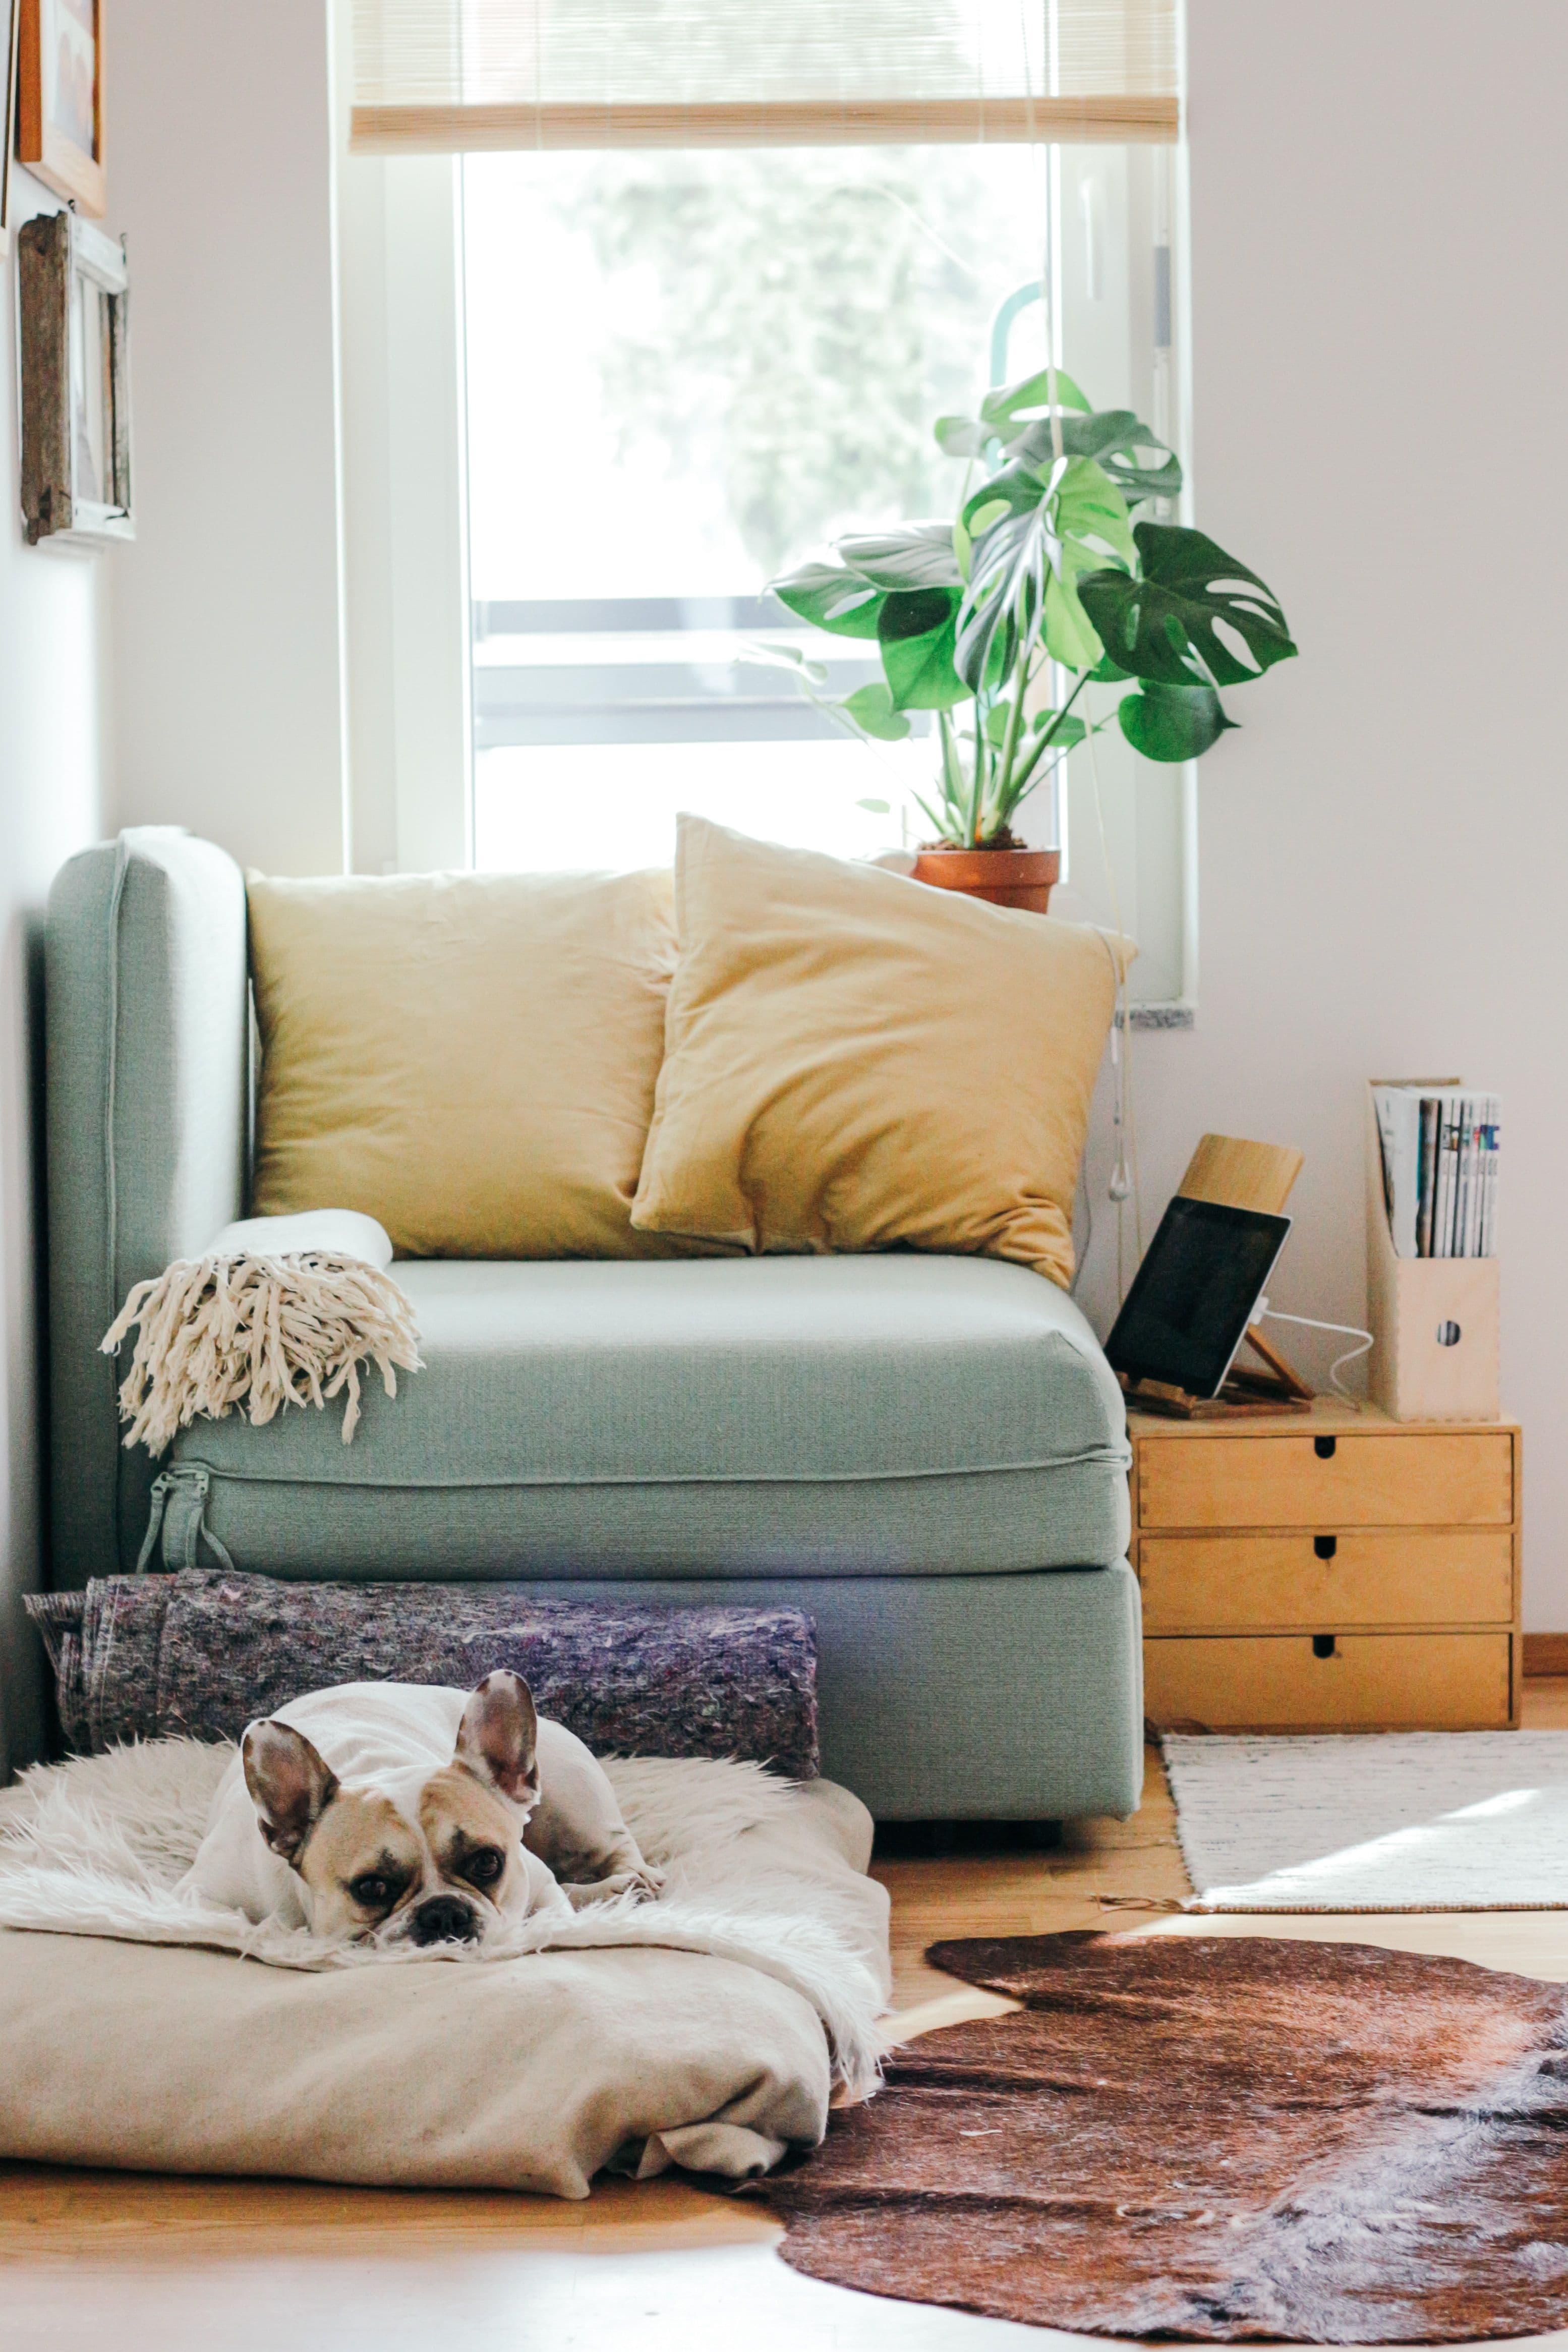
(1323, 1447)
(1325, 1546)
(1323, 1645)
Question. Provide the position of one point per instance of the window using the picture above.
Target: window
(694, 354)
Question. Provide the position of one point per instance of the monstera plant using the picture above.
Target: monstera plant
(1045, 573)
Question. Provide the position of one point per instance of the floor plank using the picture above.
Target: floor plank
(122, 2262)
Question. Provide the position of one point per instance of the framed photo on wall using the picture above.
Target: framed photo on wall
(59, 97)
(74, 304)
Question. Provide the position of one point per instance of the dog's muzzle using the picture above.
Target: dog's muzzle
(445, 1919)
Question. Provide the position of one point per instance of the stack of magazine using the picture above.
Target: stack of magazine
(1440, 1170)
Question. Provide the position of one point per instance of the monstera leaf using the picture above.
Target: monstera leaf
(1009, 407)
(918, 633)
(832, 597)
(1163, 626)
(1114, 438)
(878, 584)
(1036, 530)
(1004, 413)
(1092, 513)
(1015, 491)
(918, 555)
(1015, 553)
(1070, 635)
(871, 708)
(1173, 722)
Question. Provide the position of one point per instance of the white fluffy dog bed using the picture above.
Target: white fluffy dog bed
(704, 2029)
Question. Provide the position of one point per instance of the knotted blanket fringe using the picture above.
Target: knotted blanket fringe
(225, 1332)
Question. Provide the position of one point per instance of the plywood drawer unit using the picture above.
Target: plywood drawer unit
(1336, 1570)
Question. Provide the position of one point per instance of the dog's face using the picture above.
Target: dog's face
(420, 1858)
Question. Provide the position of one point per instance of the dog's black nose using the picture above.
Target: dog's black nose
(445, 1919)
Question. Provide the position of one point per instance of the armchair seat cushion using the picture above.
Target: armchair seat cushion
(896, 1414)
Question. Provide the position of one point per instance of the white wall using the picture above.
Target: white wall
(52, 647)
(228, 676)
(1380, 355)
(1380, 368)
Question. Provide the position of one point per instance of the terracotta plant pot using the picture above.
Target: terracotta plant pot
(1004, 877)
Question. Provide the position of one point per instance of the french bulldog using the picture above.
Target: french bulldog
(400, 1813)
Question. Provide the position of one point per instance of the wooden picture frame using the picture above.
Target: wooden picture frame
(10, 32)
(74, 292)
(59, 97)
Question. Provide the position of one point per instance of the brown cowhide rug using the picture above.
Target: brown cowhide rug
(1217, 2138)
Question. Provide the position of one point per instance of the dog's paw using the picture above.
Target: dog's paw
(643, 1884)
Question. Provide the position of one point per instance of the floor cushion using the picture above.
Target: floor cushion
(888, 1415)
(694, 2030)
(158, 2060)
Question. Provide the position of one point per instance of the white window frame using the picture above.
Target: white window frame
(402, 471)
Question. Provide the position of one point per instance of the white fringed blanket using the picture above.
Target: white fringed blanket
(276, 1311)
(703, 2028)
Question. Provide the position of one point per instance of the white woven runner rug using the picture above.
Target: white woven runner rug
(1417, 1821)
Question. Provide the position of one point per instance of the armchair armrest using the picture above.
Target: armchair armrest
(147, 1129)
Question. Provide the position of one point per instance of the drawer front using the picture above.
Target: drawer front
(1429, 1479)
(1225, 1584)
(1384, 1682)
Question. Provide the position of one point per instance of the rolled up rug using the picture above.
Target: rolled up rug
(202, 1652)
(276, 1311)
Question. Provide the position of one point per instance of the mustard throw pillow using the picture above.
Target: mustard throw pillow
(469, 1058)
(854, 1060)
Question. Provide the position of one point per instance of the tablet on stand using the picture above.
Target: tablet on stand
(1192, 1306)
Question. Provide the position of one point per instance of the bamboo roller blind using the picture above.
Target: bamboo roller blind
(449, 75)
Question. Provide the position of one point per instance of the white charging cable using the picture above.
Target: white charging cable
(1120, 1183)
(1124, 1177)
(1344, 1331)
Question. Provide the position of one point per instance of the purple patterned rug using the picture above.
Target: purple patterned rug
(202, 1652)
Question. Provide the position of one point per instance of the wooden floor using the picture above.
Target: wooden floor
(115, 2262)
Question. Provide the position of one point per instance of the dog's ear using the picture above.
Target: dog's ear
(497, 1738)
(290, 1783)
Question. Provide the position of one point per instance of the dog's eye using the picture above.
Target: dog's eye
(374, 1892)
(484, 1868)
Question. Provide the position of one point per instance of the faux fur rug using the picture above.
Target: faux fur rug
(1218, 2139)
(756, 1870)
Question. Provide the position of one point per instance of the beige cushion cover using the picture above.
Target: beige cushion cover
(695, 2023)
(855, 1060)
(470, 1058)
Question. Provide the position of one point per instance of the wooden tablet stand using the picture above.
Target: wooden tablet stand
(1246, 1390)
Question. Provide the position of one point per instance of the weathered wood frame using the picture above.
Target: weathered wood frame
(52, 253)
(46, 152)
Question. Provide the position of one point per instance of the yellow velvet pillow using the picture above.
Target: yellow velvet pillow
(469, 1058)
(854, 1060)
